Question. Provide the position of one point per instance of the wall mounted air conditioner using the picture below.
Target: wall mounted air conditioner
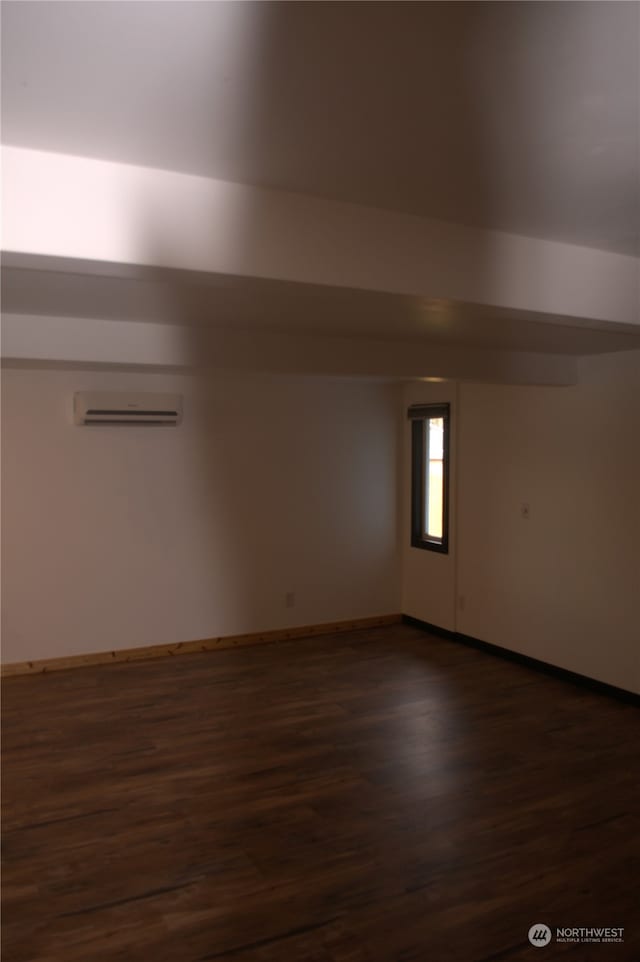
(105, 407)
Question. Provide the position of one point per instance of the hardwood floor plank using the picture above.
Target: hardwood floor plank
(375, 796)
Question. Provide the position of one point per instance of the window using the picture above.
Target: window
(430, 476)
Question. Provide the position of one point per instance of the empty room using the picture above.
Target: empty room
(320, 481)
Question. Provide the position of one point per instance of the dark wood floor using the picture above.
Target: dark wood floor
(382, 795)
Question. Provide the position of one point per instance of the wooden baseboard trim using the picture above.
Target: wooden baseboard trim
(45, 665)
(573, 677)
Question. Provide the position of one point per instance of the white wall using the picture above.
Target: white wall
(117, 537)
(121, 537)
(563, 586)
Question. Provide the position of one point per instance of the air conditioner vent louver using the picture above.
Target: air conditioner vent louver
(102, 407)
(127, 411)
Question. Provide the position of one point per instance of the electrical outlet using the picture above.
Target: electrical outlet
(525, 510)
(290, 599)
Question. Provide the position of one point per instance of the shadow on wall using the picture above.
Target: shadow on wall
(302, 64)
(329, 96)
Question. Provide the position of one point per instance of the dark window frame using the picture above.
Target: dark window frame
(419, 414)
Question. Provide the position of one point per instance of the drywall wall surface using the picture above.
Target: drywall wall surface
(116, 537)
(562, 583)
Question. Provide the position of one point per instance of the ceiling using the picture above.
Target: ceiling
(43, 286)
(519, 116)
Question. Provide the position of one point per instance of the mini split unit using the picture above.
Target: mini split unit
(102, 407)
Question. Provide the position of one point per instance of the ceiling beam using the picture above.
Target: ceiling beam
(63, 206)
